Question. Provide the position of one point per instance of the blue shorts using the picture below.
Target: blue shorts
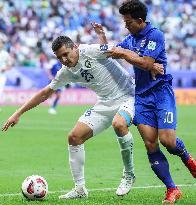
(156, 107)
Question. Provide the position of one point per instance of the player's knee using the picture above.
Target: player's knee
(164, 142)
(119, 125)
(151, 146)
(167, 141)
(74, 139)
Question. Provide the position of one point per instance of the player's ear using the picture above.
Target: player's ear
(140, 20)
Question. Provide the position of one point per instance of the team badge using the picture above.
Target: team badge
(87, 63)
(152, 45)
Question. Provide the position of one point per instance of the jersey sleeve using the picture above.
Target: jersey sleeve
(156, 43)
(60, 79)
(96, 50)
(124, 43)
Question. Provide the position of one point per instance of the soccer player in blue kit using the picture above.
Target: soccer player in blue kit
(155, 105)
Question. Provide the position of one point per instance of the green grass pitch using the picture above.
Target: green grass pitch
(38, 145)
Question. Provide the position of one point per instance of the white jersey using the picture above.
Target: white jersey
(105, 76)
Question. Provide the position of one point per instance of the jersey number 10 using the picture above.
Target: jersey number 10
(169, 117)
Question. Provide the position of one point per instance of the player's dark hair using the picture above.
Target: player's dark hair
(60, 41)
(135, 8)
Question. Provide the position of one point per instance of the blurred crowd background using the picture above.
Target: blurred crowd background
(28, 27)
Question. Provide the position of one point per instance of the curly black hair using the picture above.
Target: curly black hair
(60, 41)
(135, 8)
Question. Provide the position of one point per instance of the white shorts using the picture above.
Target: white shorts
(100, 116)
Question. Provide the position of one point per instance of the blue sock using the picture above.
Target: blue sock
(160, 166)
(55, 102)
(180, 150)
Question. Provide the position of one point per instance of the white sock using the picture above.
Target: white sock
(126, 148)
(76, 161)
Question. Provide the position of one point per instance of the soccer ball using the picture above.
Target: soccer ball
(35, 188)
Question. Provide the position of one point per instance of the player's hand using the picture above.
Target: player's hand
(115, 52)
(11, 121)
(157, 69)
(98, 28)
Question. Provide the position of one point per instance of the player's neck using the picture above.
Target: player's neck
(142, 26)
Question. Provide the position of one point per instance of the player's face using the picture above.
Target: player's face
(133, 25)
(68, 56)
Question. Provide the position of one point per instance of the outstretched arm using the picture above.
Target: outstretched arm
(40, 97)
(98, 28)
(145, 63)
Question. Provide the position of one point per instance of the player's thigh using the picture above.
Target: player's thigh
(149, 135)
(97, 120)
(166, 115)
(145, 110)
(80, 133)
(166, 108)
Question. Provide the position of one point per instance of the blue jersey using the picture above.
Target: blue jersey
(149, 42)
(55, 68)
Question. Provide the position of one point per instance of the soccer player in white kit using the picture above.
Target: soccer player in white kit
(88, 66)
(5, 64)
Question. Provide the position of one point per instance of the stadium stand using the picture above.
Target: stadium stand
(28, 28)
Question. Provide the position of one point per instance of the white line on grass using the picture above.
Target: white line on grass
(102, 189)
